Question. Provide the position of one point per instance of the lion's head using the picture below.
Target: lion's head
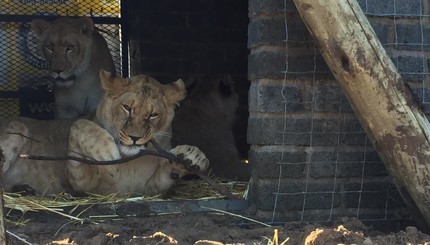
(137, 109)
(66, 45)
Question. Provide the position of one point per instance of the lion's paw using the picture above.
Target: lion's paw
(192, 156)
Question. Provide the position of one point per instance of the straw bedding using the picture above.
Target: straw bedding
(184, 190)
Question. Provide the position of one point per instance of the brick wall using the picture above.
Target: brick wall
(311, 159)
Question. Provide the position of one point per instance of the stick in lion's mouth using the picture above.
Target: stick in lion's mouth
(159, 152)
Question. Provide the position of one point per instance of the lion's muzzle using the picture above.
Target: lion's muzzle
(130, 140)
(64, 82)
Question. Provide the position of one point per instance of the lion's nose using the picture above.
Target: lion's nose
(57, 71)
(134, 139)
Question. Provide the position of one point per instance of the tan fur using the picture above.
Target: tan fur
(132, 111)
(75, 52)
(34, 137)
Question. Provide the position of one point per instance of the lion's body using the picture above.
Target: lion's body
(75, 52)
(205, 119)
(132, 112)
(34, 137)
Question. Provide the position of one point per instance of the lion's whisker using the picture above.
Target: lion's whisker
(166, 134)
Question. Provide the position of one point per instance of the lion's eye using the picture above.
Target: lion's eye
(126, 108)
(49, 47)
(153, 115)
(70, 48)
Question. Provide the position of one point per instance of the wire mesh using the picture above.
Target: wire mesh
(342, 170)
(25, 83)
(105, 8)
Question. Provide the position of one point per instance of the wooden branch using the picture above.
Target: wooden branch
(159, 153)
(399, 131)
(2, 224)
(84, 159)
(96, 162)
(24, 136)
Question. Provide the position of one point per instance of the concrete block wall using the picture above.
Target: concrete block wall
(311, 159)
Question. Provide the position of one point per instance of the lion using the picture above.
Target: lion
(36, 137)
(206, 118)
(132, 112)
(75, 52)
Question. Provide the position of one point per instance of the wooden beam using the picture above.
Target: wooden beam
(399, 131)
(3, 240)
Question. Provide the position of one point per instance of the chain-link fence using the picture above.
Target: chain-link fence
(25, 84)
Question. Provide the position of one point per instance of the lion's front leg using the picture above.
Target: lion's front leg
(192, 159)
(88, 140)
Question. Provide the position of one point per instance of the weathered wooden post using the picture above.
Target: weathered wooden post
(2, 225)
(399, 131)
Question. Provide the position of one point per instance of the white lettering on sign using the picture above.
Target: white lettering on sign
(41, 107)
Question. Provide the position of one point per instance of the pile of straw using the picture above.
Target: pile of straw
(185, 190)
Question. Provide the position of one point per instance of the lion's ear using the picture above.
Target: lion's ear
(105, 76)
(111, 84)
(38, 26)
(87, 25)
(175, 92)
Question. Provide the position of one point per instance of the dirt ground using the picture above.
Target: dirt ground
(202, 228)
(184, 222)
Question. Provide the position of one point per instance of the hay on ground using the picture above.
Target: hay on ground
(185, 190)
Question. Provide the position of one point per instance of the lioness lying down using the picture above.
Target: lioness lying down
(132, 112)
